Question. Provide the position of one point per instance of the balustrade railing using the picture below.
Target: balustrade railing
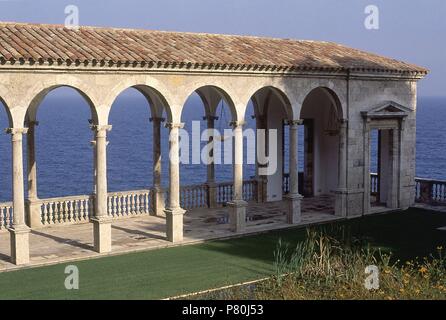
(194, 196)
(430, 191)
(66, 210)
(129, 203)
(250, 190)
(224, 192)
(79, 209)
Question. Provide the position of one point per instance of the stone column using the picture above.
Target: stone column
(237, 213)
(19, 231)
(101, 220)
(174, 213)
(294, 198)
(341, 192)
(366, 157)
(262, 181)
(393, 196)
(33, 212)
(158, 192)
(210, 181)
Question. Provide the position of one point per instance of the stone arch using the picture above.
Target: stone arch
(330, 90)
(35, 102)
(277, 93)
(210, 96)
(158, 96)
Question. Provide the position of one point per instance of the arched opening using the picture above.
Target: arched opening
(130, 161)
(208, 107)
(58, 122)
(321, 114)
(5, 157)
(270, 109)
(137, 162)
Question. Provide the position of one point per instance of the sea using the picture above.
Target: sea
(65, 155)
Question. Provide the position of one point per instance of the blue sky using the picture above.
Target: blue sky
(409, 30)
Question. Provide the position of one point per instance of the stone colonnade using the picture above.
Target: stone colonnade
(168, 92)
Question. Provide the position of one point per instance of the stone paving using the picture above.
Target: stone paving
(74, 242)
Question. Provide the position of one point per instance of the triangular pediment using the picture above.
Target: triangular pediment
(388, 109)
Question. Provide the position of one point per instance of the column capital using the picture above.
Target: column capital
(172, 125)
(297, 122)
(157, 119)
(14, 131)
(237, 124)
(98, 128)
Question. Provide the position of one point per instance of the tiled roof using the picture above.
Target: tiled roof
(55, 45)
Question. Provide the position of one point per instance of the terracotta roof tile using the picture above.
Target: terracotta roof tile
(40, 42)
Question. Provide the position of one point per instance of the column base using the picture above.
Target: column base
(237, 215)
(174, 224)
(294, 215)
(102, 234)
(341, 203)
(33, 213)
(19, 245)
(158, 202)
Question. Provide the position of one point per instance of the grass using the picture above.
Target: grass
(174, 271)
(330, 264)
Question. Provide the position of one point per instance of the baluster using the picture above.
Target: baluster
(114, 206)
(69, 206)
(132, 201)
(45, 213)
(2, 218)
(119, 205)
(87, 209)
(138, 208)
(51, 216)
(146, 202)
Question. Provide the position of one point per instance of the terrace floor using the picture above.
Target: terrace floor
(75, 242)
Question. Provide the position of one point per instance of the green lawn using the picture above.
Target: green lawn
(168, 272)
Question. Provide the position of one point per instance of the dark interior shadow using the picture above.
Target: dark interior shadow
(139, 232)
(5, 257)
(74, 243)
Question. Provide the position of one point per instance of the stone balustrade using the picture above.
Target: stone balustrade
(79, 209)
(194, 196)
(129, 203)
(430, 191)
(66, 210)
(224, 192)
